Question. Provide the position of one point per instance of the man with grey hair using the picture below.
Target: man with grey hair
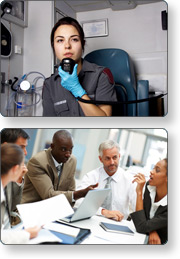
(122, 195)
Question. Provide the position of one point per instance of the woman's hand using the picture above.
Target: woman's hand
(141, 180)
(71, 82)
(33, 231)
(112, 214)
(20, 179)
(154, 238)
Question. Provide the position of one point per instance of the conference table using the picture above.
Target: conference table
(97, 236)
(100, 236)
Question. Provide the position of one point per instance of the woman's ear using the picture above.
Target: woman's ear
(15, 171)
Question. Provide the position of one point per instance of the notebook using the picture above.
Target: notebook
(116, 228)
(89, 206)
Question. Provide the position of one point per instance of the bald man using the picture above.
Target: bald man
(51, 172)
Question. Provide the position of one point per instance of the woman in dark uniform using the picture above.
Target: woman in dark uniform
(151, 211)
(88, 80)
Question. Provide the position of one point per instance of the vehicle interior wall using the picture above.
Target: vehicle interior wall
(139, 32)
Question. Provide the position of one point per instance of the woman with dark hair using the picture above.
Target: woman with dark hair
(87, 81)
(12, 165)
(151, 211)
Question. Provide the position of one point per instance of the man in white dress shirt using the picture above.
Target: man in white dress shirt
(123, 195)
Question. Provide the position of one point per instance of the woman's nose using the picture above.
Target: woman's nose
(67, 44)
(152, 171)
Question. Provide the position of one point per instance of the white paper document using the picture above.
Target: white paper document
(68, 230)
(45, 236)
(42, 212)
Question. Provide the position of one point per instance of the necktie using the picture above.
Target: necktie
(59, 171)
(107, 204)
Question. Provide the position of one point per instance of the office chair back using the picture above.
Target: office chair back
(118, 61)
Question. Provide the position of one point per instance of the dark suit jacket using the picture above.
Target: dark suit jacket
(41, 180)
(14, 195)
(146, 225)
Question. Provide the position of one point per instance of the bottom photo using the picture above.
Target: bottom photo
(84, 186)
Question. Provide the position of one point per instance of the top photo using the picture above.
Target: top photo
(84, 58)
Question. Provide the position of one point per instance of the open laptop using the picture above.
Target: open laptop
(89, 206)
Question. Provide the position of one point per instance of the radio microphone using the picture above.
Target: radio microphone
(67, 65)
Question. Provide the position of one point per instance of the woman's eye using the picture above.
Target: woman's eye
(75, 39)
(59, 41)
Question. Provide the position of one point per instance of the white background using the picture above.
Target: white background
(171, 123)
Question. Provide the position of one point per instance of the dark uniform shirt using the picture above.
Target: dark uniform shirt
(96, 80)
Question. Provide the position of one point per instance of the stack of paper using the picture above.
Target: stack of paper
(45, 211)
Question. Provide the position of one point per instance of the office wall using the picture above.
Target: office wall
(91, 160)
(139, 32)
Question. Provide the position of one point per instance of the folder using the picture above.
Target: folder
(116, 228)
(70, 240)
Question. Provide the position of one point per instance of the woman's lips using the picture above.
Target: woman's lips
(68, 55)
(150, 179)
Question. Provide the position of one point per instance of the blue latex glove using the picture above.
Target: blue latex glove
(71, 82)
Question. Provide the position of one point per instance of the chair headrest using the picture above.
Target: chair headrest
(118, 61)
